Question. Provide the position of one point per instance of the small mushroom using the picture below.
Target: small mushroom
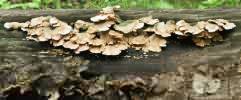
(110, 9)
(201, 42)
(107, 14)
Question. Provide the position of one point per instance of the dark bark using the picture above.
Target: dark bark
(17, 53)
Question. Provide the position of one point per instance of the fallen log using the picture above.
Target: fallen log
(20, 56)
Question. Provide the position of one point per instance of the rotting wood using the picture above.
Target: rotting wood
(15, 51)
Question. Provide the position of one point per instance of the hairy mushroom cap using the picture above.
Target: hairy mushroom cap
(149, 20)
(129, 26)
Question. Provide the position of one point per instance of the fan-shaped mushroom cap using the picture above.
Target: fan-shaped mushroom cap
(162, 29)
(96, 49)
(138, 40)
(129, 26)
(223, 23)
(111, 50)
(81, 48)
(211, 27)
(100, 27)
(107, 14)
(80, 24)
(154, 44)
(44, 28)
(115, 34)
(149, 20)
(96, 42)
(58, 43)
(14, 25)
(38, 20)
(70, 45)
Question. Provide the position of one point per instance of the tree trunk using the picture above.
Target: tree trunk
(18, 55)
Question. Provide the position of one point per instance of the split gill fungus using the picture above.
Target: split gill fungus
(107, 34)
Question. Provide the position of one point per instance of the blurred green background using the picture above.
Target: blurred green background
(143, 4)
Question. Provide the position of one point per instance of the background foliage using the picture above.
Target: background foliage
(171, 4)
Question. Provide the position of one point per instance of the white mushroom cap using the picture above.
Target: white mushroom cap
(211, 27)
(14, 25)
(229, 26)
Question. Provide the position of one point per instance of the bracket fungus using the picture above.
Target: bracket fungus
(108, 35)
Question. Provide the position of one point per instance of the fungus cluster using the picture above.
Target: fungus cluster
(109, 35)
